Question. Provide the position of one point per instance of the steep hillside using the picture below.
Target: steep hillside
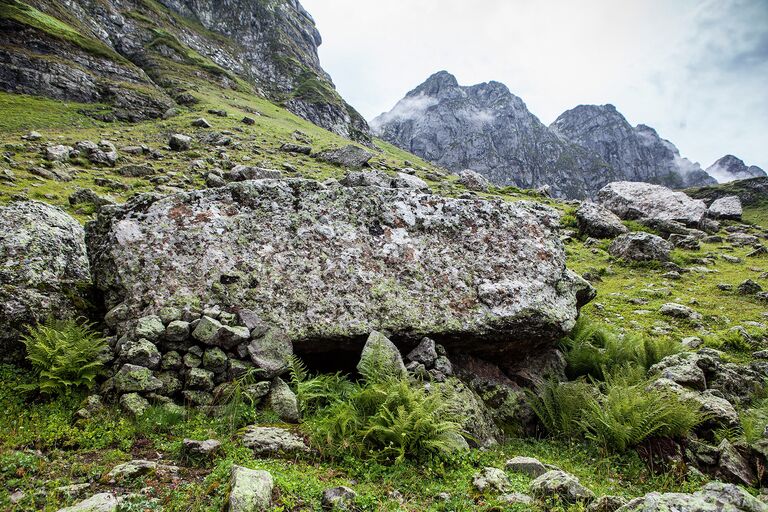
(141, 57)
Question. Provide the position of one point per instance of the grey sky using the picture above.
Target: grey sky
(697, 71)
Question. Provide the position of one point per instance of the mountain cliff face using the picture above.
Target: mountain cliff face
(140, 57)
(637, 152)
(488, 129)
(729, 168)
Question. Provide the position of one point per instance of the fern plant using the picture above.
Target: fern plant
(560, 406)
(627, 413)
(384, 416)
(63, 355)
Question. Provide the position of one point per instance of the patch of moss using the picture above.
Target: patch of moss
(27, 15)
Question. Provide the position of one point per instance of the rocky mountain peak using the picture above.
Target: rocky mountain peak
(486, 128)
(731, 168)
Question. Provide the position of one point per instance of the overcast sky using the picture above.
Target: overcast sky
(697, 71)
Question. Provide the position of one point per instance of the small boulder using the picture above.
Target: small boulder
(271, 353)
(472, 180)
(102, 502)
(713, 497)
(526, 465)
(282, 400)
(349, 156)
(607, 504)
(179, 142)
(59, 153)
(338, 498)
(133, 404)
(269, 441)
(560, 485)
(201, 123)
(381, 358)
(250, 490)
(640, 246)
(676, 310)
(598, 222)
(149, 327)
(492, 480)
(195, 449)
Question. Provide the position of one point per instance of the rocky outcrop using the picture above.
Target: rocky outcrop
(136, 56)
(487, 129)
(729, 168)
(638, 152)
(636, 201)
(43, 269)
(334, 263)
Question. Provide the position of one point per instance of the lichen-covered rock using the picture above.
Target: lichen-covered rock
(271, 353)
(635, 200)
(598, 222)
(607, 504)
(130, 378)
(250, 490)
(180, 142)
(195, 449)
(150, 327)
(474, 180)
(141, 353)
(491, 480)
(526, 465)
(282, 400)
(640, 246)
(560, 485)
(133, 404)
(43, 268)
(273, 441)
(335, 263)
(351, 157)
(102, 502)
(382, 357)
(139, 467)
(713, 497)
(728, 207)
(338, 498)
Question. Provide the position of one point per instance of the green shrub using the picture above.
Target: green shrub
(385, 418)
(64, 356)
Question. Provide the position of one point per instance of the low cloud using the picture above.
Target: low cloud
(409, 107)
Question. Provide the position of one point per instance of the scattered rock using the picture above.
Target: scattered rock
(560, 485)
(472, 180)
(338, 498)
(139, 467)
(250, 490)
(271, 441)
(282, 400)
(676, 310)
(351, 157)
(133, 404)
(58, 153)
(749, 287)
(492, 480)
(598, 222)
(194, 449)
(526, 465)
(245, 172)
(201, 123)
(640, 246)
(299, 149)
(179, 142)
(102, 502)
(607, 504)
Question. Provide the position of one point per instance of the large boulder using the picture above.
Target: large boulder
(43, 269)
(328, 264)
(635, 200)
(728, 207)
(351, 157)
(713, 497)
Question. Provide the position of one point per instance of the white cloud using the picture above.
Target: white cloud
(696, 71)
(407, 108)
